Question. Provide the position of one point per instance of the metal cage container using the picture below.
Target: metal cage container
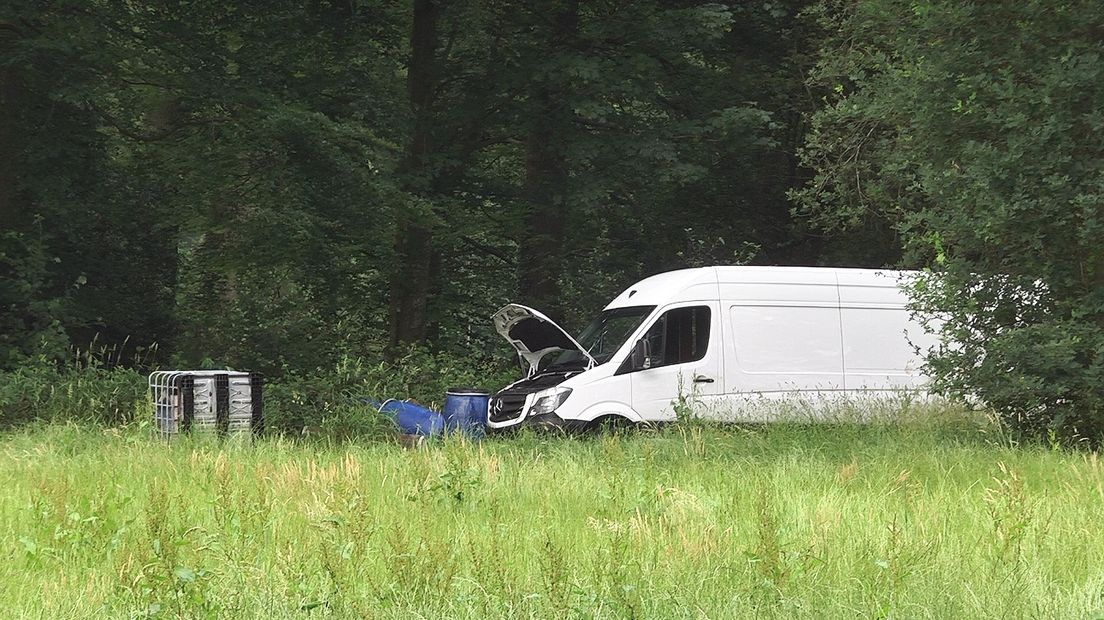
(220, 401)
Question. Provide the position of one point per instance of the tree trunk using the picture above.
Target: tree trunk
(415, 262)
(10, 90)
(541, 245)
(415, 256)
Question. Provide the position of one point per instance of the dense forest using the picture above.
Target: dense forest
(284, 186)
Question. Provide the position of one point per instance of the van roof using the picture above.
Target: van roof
(701, 282)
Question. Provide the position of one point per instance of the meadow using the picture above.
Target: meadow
(928, 518)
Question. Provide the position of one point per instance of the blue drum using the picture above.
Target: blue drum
(466, 410)
(413, 419)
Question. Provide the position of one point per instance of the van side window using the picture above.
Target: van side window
(679, 336)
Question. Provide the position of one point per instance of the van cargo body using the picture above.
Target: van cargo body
(716, 339)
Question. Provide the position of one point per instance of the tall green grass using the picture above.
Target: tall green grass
(906, 520)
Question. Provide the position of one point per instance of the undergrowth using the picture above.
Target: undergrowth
(92, 387)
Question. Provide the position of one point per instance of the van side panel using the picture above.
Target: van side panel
(783, 334)
(879, 335)
(786, 348)
(877, 353)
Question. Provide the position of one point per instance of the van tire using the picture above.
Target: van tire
(608, 424)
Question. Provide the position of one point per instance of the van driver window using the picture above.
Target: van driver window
(679, 336)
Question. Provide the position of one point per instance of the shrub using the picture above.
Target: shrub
(92, 393)
(335, 402)
(981, 147)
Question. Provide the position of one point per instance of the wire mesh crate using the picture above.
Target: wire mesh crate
(220, 401)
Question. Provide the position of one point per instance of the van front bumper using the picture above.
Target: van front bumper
(547, 422)
(553, 422)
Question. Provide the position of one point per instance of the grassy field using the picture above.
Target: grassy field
(906, 520)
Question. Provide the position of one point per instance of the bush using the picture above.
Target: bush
(333, 402)
(980, 145)
(96, 394)
(1011, 345)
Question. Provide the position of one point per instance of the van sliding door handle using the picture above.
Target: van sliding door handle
(701, 379)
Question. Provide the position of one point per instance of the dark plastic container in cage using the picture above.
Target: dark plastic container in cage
(222, 401)
(466, 410)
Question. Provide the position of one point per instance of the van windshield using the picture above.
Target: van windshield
(605, 335)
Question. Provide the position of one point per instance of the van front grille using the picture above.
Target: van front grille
(506, 406)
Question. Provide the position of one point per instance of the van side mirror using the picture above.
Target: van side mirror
(641, 355)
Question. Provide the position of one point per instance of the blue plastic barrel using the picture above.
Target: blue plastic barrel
(413, 419)
(466, 410)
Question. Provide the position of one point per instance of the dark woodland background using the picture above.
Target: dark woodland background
(288, 186)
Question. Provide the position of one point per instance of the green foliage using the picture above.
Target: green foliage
(334, 401)
(238, 186)
(95, 388)
(30, 317)
(88, 391)
(972, 130)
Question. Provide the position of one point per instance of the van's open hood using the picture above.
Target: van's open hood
(534, 335)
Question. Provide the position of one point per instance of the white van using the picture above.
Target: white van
(718, 336)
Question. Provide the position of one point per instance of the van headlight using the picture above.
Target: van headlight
(546, 401)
